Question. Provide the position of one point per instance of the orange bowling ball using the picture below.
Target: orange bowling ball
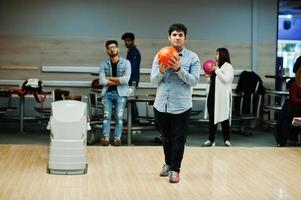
(166, 53)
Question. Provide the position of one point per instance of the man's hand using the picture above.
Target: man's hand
(162, 68)
(113, 81)
(110, 83)
(174, 64)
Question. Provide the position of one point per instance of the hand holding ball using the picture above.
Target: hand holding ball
(207, 66)
(167, 53)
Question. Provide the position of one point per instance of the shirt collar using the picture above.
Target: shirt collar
(133, 47)
(182, 52)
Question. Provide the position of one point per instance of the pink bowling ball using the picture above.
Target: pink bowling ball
(207, 66)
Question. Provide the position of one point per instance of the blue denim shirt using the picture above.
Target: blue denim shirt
(123, 74)
(174, 92)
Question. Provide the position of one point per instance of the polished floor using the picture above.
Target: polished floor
(254, 168)
(131, 173)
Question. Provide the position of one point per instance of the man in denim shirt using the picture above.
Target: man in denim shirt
(114, 74)
(173, 101)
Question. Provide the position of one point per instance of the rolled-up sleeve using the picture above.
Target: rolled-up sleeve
(124, 79)
(102, 75)
(156, 75)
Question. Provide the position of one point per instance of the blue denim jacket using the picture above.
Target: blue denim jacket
(174, 92)
(123, 73)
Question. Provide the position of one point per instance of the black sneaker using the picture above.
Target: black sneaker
(165, 170)
(117, 142)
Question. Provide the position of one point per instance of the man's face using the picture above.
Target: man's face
(128, 43)
(177, 39)
(112, 50)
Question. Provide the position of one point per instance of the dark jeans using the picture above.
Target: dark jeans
(134, 107)
(134, 112)
(173, 128)
(294, 112)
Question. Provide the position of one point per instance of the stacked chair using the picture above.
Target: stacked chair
(68, 140)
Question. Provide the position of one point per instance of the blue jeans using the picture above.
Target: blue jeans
(109, 100)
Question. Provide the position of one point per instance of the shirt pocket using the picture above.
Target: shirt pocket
(185, 64)
(186, 67)
(120, 71)
(107, 71)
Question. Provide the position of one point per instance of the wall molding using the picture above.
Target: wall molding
(87, 84)
(95, 69)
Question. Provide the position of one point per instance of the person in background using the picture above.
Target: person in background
(133, 55)
(173, 100)
(291, 108)
(297, 64)
(219, 97)
(114, 75)
(294, 104)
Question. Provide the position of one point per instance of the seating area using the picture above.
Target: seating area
(252, 108)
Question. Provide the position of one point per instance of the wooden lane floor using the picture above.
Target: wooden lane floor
(132, 173)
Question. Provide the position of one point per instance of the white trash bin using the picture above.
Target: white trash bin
(68, 139)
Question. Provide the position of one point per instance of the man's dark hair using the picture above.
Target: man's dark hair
(131, 36)
(224, 56)
(177, 27)
(111, 42)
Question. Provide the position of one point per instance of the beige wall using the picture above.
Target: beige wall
(22, 57)
(35, 33)
(266, 63)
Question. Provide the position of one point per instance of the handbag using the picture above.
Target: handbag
(35, 87)
(32, 85)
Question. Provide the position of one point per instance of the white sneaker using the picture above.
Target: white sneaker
(208, 143)
(227, 143)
